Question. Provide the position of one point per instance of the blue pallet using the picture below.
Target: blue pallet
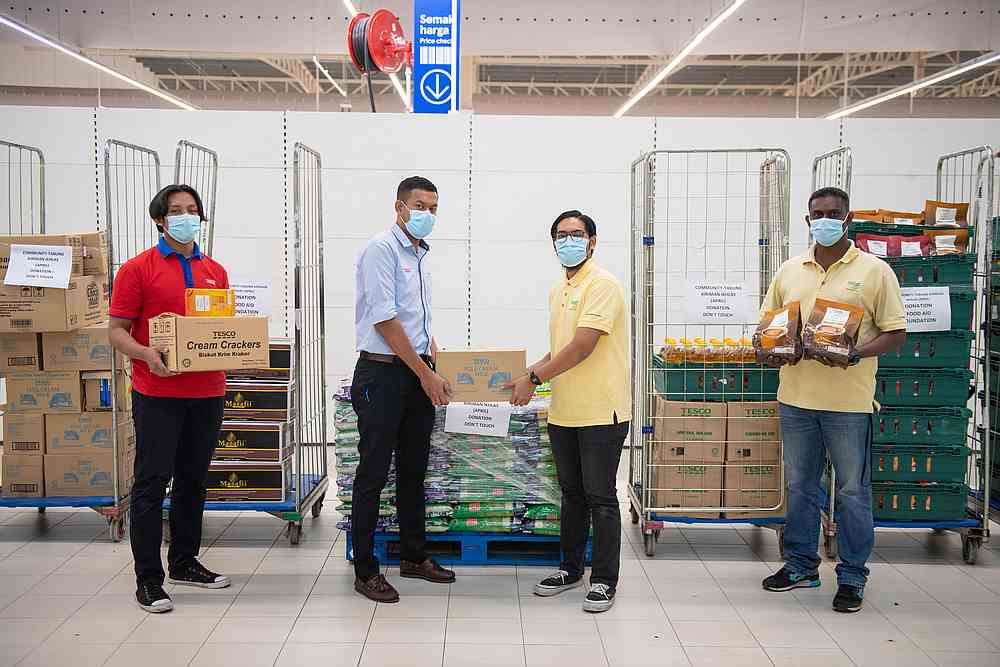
(475, 549)
(59, 501)
(753, 521)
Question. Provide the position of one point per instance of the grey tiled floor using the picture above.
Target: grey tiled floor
(66, 599)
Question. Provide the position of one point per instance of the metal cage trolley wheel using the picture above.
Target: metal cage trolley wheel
(709, 230)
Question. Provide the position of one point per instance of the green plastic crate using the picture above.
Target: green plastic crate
(918, 387)
(920, 426)
(933, 271)
(916, 463)
(931, 349)
(963, 302)
(714, 382)
(917, 501)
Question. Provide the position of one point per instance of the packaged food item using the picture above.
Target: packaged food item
(670, 352)
(777, 338)
(870, 215)
(949, 214)
(953, 241)
(733, 354)
(716, 351)
(699, 353)
(901, 217)
(748, 354)
(201, 302)
(831, 334)
(684, 350)
(894, 246)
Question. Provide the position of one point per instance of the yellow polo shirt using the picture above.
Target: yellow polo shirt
(857, 278)
(596, 391)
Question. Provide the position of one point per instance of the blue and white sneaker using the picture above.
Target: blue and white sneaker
(783, 580)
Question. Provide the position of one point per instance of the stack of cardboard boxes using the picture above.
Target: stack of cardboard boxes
(56, 358)
(713, 455)
(253, 458)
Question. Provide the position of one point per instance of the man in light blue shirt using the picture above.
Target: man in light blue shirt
(395, 388)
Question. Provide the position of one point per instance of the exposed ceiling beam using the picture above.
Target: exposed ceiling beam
(296, 71)
(831, 74)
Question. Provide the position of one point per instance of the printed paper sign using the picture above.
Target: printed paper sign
(927, 308)
(478, 418)
(39, 266)
(253, 298)
(716, 303)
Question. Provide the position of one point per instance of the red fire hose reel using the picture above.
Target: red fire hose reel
(376, 43)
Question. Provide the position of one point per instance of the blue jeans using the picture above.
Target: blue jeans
(847, 437)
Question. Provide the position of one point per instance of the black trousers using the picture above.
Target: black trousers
(174, 437)
(395, 416)
(587, 463)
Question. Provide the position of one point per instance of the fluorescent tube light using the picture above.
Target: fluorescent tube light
(48, 41)
(908, 88)
(681, 55)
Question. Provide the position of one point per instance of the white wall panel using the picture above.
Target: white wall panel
(66, 137)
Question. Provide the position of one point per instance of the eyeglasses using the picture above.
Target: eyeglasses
(577, 234)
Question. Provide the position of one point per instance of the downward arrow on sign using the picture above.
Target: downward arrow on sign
(437, 92)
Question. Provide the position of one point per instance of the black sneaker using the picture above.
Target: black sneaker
(152, 598)
(557, 583)
(848, 599)
(600, 598)
(783, 580)
(198, 575)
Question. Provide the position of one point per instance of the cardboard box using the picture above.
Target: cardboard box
(84, 433)
(89, 474)
(679, 422)
(23, 476)
(269, 401)
(478, 376)
(688, 475)
(279, 365)
(86, 349)
(44, 391)
(754, 486)
(254, 441)
(24, 435)
(234, 481)
(74, 241)
(42, 309)
(105, 298)
(95, 254)
(201, 302)
(210, 343)
(753, 421)
(97, 391)
(19, 352)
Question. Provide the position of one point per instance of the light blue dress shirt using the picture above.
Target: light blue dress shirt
(393, 281)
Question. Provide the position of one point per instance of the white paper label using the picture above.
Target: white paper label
(202, 303)
(39, 266)
(927, 308)
(478, 418)
(716, 303)
(835, 316)
(253, 298)
(780, 320)
(945, 216)
(904, 221)
(878, 248)
(945, 244)
(911, 249)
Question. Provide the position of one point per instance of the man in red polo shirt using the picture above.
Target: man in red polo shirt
(177, 415)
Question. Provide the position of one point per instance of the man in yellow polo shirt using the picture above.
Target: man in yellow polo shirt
(588, 366)
(826, 409)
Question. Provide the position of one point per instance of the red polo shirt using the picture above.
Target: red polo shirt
(153, 283)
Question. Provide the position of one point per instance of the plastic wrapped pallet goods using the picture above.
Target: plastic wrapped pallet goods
(474, 483)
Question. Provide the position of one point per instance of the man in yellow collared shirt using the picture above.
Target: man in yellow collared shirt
(828, 409)
(588, 365)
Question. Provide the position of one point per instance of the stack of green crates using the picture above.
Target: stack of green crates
(698, 381)
(919, 453)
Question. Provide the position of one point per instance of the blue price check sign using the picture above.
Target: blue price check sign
(436, 59)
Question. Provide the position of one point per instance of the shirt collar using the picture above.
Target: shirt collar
(581, 274)
(404, 240)
(167, 251)
(849, 256)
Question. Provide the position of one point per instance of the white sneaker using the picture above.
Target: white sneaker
(557, 583)
(600, 598)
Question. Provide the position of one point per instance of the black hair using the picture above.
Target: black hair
(587, 221)
(831, 192)
(160, 204)
(412, 183)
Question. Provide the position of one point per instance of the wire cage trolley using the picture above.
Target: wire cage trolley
(931, 455)
(709, 228)
(198, 167)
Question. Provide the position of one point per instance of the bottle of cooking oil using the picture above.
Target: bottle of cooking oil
(716, 353)
(686, 350)
(700, 351)
(733, 354)
(748, 353)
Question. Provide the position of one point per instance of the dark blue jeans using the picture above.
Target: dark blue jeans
(808, 436)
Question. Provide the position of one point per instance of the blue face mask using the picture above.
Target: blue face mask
(183, 228)
(827, 231)
(572, 252)
(421, 224)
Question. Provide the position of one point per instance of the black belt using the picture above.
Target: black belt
(393, 359)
